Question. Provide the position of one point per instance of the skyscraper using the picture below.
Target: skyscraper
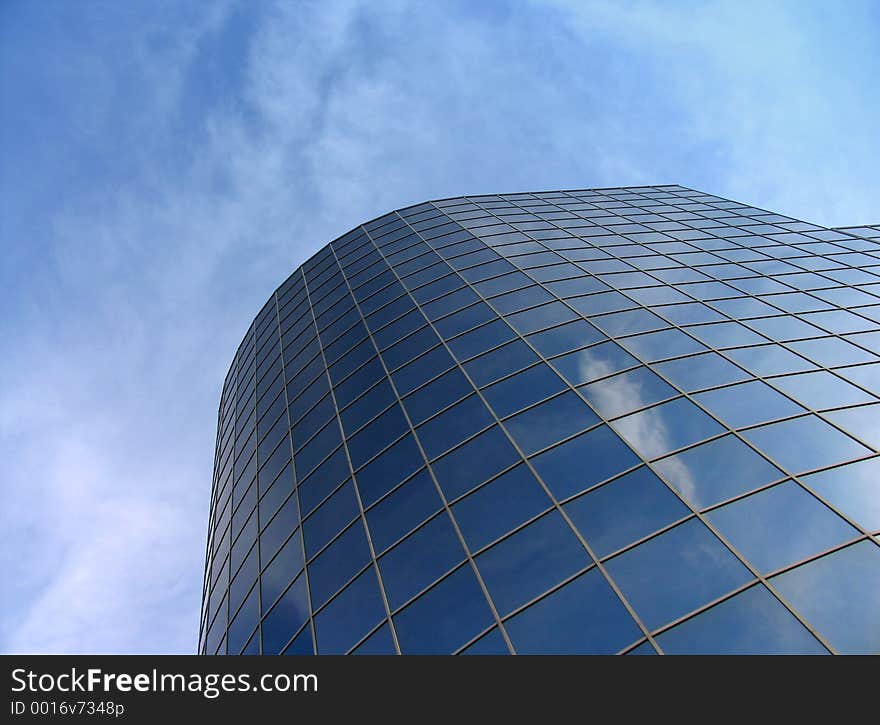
(629, 420)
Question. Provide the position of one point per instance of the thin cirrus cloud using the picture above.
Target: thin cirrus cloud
(166, 164)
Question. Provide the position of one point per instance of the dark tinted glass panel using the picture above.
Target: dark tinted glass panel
(500, 506)
(474, 462)
(343, 622)
(452, 426)
(584, 617)
(286, 618)
(562, 467)
(402, 510)
(550, 422)
(336, 564)
(676, 572)
(531, 561)
(382, 474)
(521, 390)
(420, 559)
(444, 618)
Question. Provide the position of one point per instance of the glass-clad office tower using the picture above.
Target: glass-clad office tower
(634, 420)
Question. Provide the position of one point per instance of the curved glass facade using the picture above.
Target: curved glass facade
(630, 420)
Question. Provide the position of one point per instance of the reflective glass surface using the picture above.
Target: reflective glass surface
(440, 422)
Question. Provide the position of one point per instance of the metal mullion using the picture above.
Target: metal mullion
(540, 480)
(362, 515)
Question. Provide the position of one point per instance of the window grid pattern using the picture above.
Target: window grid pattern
(615, 420)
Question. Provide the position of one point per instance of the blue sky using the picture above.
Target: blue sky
(166, 164)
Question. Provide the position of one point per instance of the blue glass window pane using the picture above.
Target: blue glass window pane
(444, 618)
(863, 422)
(779, 526)
(563, 470)
(500, 362)
(500, 506)
(538, 318)
(531, 561)
(399, 329)
(421, 370)
(521, 390)
(278, 529)
(465, 319)
(769, 360)
(725, 334)
(630, 321)
(452, 426)
(700, 371)
(382, 474)
(330, 518)
(243, 624)
(474, 462)
(403, 510)
(839, 595)
(567, 337)
(624, 511)
(366, 407)
(652, 346)
(343, 622)
(594, 362)
(408, 348)
(336, 564)
(354, 386)
(676, 572)
(716, 471)
(419, 559)
(376, 435)
(317, 449)
(692, 313)
(378, 643)
(527, 297)
(666, 427)
(625, 392)
(436, 395)
(752, 622)
(583, 617)
(481, 339)
(854, 490)
(490, 644)
(324, 479)
(747, 404)
(301, 645)
(287, 616)
(868, 376)
(804, 443)
(550, 422)
(284, 567)
(821, 389)
(831, 351)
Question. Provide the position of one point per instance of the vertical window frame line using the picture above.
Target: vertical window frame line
(361, 514)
